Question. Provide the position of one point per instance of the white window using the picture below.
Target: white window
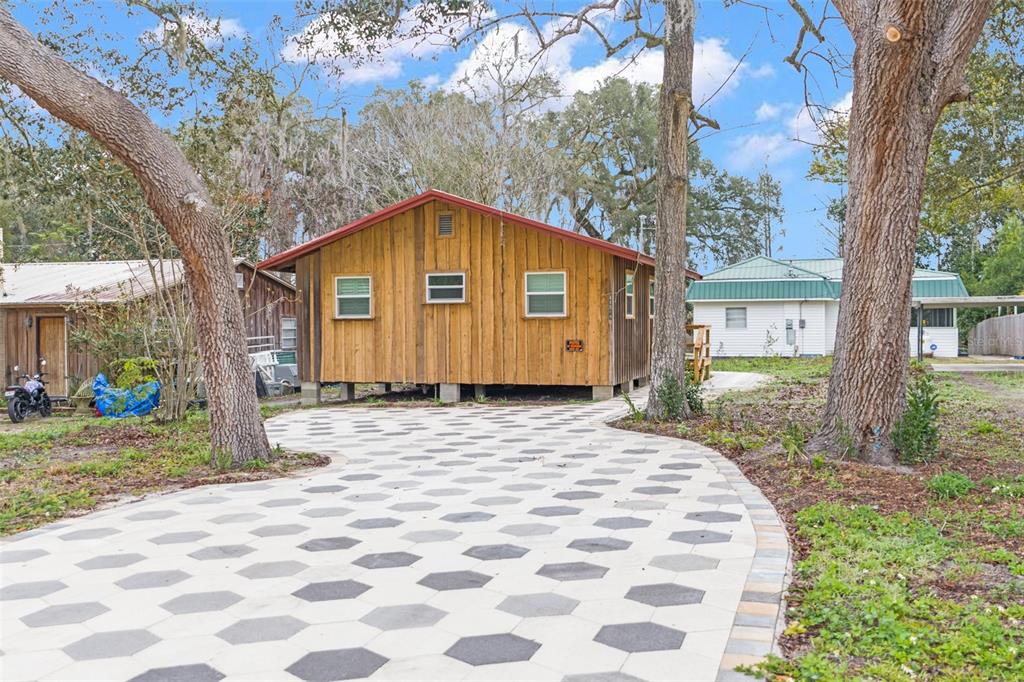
(650, 298)
(288, 333)
(352, 297)
(545, 294)
(446, 287)
(240, 280)
(630, 295)
(735, 318)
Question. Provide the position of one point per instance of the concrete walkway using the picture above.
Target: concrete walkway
(463, 543)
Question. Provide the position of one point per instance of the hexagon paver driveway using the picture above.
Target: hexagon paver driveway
(472, 542)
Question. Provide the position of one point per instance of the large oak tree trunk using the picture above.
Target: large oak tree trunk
(181, 202)
(668, 359)
(908, 65)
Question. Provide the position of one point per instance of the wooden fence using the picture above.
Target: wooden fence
(699, 349)
(998, 336)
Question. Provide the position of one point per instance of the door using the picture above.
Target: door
(51, 344)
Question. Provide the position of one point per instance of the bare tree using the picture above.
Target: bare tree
(909, 64)
(183, 206)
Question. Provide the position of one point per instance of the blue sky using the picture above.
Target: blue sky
(760, 107)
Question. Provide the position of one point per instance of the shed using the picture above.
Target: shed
(441, 290)
(38, 301)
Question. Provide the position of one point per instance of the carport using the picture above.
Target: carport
(960, 302)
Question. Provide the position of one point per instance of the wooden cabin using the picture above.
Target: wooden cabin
(440, 290)
(41, 302)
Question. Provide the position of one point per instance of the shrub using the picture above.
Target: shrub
(949, 485)
(695, 397)
(672, 397)
(916, 434)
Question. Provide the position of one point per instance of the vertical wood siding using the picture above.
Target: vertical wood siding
(488, 339)
(264, 303)
(20, 348)
(631, 336)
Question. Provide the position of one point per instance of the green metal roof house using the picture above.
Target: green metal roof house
(767, 306)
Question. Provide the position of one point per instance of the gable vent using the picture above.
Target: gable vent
(445, 225)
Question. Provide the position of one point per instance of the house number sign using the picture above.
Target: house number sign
(574, 345)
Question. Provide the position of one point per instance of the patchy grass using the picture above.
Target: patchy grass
(67, 466)
(915, 574)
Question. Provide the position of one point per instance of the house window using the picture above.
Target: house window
(650, 298)
(288, 333)
(545, 294)
(735, 318)
(630, 295)
(239, 280)
(445, 224)
(352, 297)
(933, 317)
(446, 287)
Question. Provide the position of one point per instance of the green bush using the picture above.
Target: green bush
(950, 485)
(916, 434)
(673, 397)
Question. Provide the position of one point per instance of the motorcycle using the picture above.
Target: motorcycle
(24, 399)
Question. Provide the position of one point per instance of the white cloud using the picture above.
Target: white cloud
(799, 132)
(767, 112)
(380, 60)
(210, 30)
(512, 49)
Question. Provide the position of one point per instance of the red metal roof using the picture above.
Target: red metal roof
(289, 256)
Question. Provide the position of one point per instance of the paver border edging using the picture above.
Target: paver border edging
(761, 614)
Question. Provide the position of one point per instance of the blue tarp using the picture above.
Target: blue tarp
(125, 402)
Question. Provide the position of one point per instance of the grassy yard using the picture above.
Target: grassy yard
(66, 466)
(899, 575)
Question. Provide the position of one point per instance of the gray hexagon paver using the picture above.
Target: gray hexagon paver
(336, 664)
(280, 529)
(90, 534)
(266, 629)
(493, 552)
(578, 495)
(403, 616)
(497, 500)
(149, 579)
(467, 517)
(64, 614)
(634, 637)
(387, 560)
(665, 594)
(272, 569)
(30, 590)
(699, 537)
(110, 561)
(195, 672)
(573, 570)
(221, 552)
(111, 644)
(622, 522)
(17, 556)
(441, 535)
(714, 516)
(611, 676)
(529, 529)
(324, 512)
(328, 544)
(155, 515)
(237, 518)
(183, 536)
(331, 590)
(720, 499)
(684, 562)
(537, 605)
(556, 510)
(385, 522)
(490, 649)
(454, 580)
(284, 502)
(413, 506)
(201, 602)
(599, 544)
(656, 490)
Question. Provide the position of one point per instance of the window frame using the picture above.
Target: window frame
(934, 313)
(239, 280)
(440, 301)
(650, 298)
(727, 325)
(629, 303)
(338, 297)
(294, 332)
(564, 293)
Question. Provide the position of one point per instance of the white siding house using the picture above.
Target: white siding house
(763, 306)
